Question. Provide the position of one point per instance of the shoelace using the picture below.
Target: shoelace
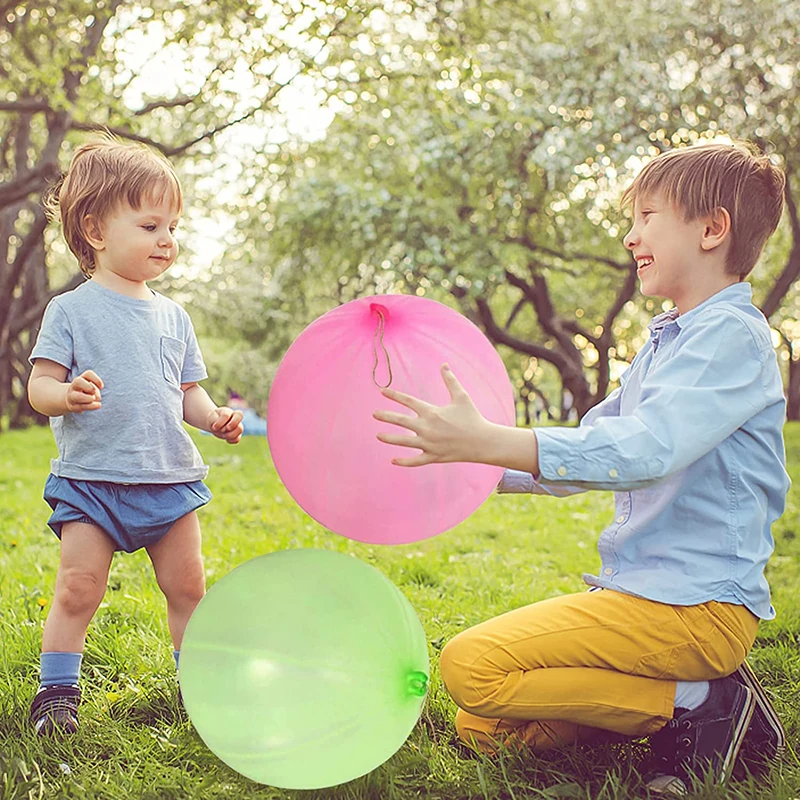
(672, 744)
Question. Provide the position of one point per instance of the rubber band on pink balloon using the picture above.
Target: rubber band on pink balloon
(321, 430)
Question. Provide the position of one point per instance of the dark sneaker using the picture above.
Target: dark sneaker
(55, 710)
(706, 738)
(765, 741)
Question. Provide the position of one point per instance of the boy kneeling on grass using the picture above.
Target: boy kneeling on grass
(691, 444)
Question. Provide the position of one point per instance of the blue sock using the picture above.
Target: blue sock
(176, 654)
(691, 694)
(60, 669)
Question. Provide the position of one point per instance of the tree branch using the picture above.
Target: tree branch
(625, 293)
(34, 181)
(499, 335)
(791, 270)
(513, 315)
(24, 106)
(183, 100)
(529, 244)
(177, 150)
(9, 283)
(32, 315)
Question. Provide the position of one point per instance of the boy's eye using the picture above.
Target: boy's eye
(149, 227)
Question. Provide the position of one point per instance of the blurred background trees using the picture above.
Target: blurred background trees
(470, 152)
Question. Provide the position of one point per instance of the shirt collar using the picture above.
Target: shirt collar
(735, 293)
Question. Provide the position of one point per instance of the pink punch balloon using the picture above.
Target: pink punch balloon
(322, 434)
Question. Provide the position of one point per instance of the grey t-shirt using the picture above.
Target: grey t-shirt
(142, 350)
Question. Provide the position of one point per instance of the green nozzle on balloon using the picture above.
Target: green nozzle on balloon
(417, 683)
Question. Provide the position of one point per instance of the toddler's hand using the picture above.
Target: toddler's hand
(83, 394)
(225, 423)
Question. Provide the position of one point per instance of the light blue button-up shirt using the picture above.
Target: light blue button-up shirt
(691, 444)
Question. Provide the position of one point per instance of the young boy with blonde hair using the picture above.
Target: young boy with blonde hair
(116, 368)
(691, 444)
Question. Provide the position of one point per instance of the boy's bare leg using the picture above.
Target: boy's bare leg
(86, 554)
(178, 564)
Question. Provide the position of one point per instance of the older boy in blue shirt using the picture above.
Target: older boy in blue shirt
(691, 443)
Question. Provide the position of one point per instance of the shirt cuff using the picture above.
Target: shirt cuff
(516, 482)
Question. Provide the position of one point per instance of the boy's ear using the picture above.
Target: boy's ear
(92, 232)
(716, 228)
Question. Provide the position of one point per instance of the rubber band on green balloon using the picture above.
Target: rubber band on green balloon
(304, 669)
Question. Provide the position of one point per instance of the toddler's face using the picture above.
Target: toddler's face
(138, 244)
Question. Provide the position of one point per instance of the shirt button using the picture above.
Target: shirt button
(612, 473)
(562, 471)
(620, 520)
(608, 571)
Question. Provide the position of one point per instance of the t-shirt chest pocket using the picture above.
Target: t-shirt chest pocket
(172, 352)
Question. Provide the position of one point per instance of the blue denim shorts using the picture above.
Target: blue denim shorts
(134, 515)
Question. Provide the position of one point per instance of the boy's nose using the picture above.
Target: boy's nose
(630, 239)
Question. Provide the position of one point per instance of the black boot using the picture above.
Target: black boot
(706, 738)
(765, 741)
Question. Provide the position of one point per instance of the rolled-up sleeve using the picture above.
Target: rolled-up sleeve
(689, 404)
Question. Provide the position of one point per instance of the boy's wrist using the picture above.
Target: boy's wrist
(510, 447)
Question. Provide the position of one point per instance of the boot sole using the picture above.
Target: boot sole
(745, 676)
(749, 707)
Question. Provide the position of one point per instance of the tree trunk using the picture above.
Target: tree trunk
(793, 391)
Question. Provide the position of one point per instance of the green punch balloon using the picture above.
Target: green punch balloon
(303, 669)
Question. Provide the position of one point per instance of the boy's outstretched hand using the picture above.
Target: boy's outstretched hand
(225, 423)
(455, 432)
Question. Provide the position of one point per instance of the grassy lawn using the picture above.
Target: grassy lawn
(134, 742)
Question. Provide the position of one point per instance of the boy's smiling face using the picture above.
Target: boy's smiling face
(667, 249)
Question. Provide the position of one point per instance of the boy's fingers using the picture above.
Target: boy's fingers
(453, 386)
(417, 461)
(414, 403)
(402, 441)
(394, 418)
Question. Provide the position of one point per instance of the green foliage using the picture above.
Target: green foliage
(476, 144)
(514, 550)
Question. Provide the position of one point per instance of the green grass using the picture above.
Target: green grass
(134, 742)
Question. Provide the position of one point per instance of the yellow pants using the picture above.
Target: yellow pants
(557, 671)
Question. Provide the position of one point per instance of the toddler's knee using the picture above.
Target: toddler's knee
(79, 593)
(186, 587)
